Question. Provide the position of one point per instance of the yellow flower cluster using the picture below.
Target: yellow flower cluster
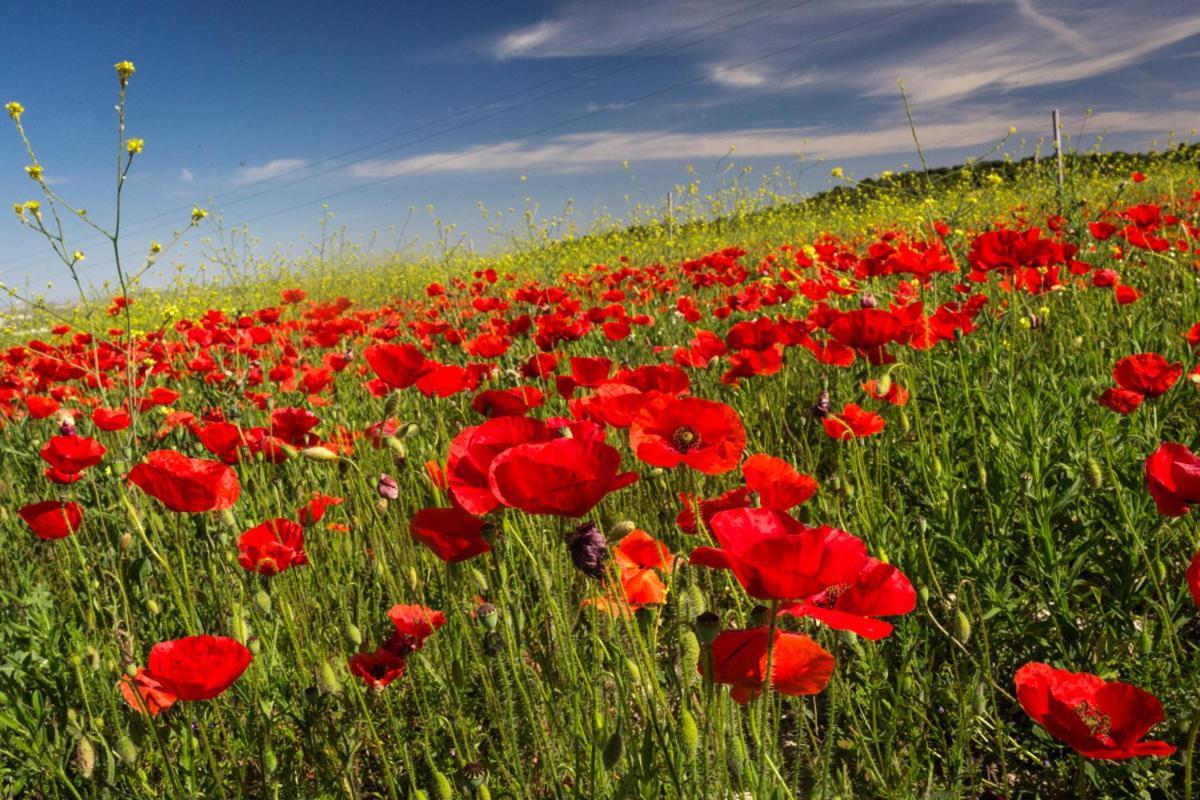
(124, 70)
(134, 146)
(15, 110)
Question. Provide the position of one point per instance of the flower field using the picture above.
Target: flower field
(885, 495)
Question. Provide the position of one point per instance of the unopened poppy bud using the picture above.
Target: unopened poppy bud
(85, 758)
(127, 750)
(263, 601)
(962, 625)
(689, 734)
(473, 774)
(622, 529)
(1035, 321)
(381, 505)
(126, 540)
(442, 787)
(328, 679)
(631, 667)
(390, 402)
(480, 580)
(418, 794)
(868, 301)
(1094, 473)
(696, 604)
(318, 454)
(589, 550)
(614, 748)
(884, 384)
(413, 580)
(488, 615)
(67, 428)
(270, 761)
(407, 430)
(387, 487)
(689, 652)
(657, 474)
(228, 519)
(708, 626)
(152, 606)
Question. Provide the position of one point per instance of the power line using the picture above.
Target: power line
(143, 225)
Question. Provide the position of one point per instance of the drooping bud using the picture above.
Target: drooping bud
(319, 454)
(589, 550)
(622, 529)
(820, 409)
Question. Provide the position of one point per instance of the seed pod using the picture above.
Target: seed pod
(614, 748)
(85, 758)
(328, 679)
(473, 775)
(689, 735)
(708, 625)
(962, 625)
(488, 615)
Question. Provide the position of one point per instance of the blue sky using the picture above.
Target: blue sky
(262, 112)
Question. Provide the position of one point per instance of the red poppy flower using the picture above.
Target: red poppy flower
(1173, 478)
(398, 365)
(292, 296)
(472, 453)
(186, 484)
(144, 694)
(799, 666)
(1193, 336)
(378, 668)
(293, 425)
(71, 455)
(223, 439)
(1126, 294)
(867, 330)
(778, 484)
(686, 518)
(314, 510)
(51, 519)
(775, 557)
(896, 394)
(1148, 374)
(416, 622)
(40, 407)
(879, 590)
(111, 419)
(514, 402)
(564, 477)
(1122, 401)
(703, 434)
(1096, 718)
(198, 667)
(853, 422)
(272, 547)
(451, 533)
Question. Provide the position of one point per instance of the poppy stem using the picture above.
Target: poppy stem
(1082, 790)
(1188, 752)
(766, 697)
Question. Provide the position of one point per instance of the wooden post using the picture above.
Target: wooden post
(1058, 144)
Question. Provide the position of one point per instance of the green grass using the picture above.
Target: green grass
(1012, 500)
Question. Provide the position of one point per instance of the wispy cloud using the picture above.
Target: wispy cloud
(269, 171)
(756, 76)
(186, 175)
(577, 152)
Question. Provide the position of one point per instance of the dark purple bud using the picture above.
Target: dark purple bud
(820, 409)
(386, 487)
(589, 550)
(66, 427)
(868, 301)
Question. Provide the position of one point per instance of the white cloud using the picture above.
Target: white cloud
(186, 175)
(755, 76)
(577, 152)
(269, 171)
(527, 40)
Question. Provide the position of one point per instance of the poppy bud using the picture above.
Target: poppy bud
(868, 301)
(85, 757)
(962, 627)
(735, 756)
(318, 454)
(487, 614)
(1094, 473)
(127, 750)
(441, 786)
(263, 601)
(418, 794)
(270, 761)
(381, 505)
(473, 774)
(820, 409)
(1035, 321)
(614, 748)
(353, 634)
(67, 428)
(387, 487)
(390, 402)
(884, 384)
(708, 625)
(481, 581)
(689, 734)
(328, 679)
(589, 550)
(696, 604)
(689, 653)
(152, 606)
(635, 674)
(126, 540)
(413, 580)
(622, 529)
